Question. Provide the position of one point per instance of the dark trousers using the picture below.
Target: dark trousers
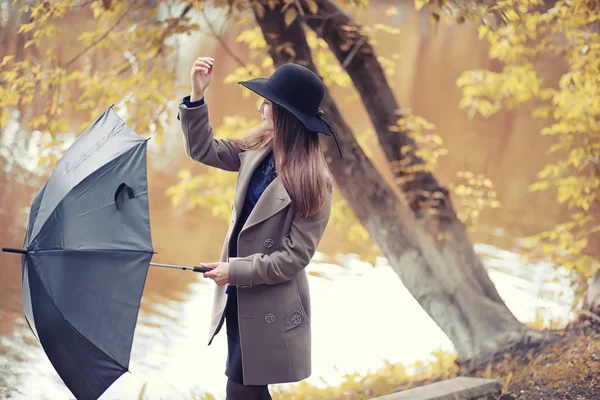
(237, 391)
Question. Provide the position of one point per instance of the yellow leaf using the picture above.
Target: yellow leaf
(267, 62)
(289, 16)
(387, 28)
(419, 4)
(312, 6)
(6, 59)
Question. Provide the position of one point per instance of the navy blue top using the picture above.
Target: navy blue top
(190, 104)
(261, 178)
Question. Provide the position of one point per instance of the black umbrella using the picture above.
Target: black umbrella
(86, 255)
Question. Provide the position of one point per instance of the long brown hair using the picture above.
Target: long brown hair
(299, 160)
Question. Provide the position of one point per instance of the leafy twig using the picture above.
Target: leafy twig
(160, 49)
(101, 38)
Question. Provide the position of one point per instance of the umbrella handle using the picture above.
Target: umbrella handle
(201, 269)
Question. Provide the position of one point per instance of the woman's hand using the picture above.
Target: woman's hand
(219, 273)
(201, 75)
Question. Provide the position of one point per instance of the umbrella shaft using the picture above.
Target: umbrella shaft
(195, 269)
(170, 266)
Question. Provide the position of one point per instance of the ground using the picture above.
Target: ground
(568, 367)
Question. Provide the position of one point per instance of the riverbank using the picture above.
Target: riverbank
(565, 369)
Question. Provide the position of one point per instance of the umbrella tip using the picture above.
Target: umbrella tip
(13, 250)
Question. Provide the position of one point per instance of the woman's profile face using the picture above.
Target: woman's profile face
(266, 111)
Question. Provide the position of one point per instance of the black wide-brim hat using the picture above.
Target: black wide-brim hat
(300, 91)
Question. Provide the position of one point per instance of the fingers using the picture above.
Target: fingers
(215, 274)
(219, 280)
(200, 70)
(203, 67)
(203, 64)
(206, 59)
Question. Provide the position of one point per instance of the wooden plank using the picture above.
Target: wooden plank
(461, 388)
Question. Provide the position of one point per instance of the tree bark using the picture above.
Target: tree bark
(422, 189)
(474, 323)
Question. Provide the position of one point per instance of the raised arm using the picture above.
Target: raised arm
(200, 143)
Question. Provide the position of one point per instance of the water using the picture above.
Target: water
(353, 330)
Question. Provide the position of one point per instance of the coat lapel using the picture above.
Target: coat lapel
(275, 197)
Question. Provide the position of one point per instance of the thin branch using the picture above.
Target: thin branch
(352, 53)
(229, 12)
(221, 41)
(101, 38)
(168, 30)
(590, 315)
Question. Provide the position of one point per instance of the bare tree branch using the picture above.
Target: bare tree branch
(217, 36)
(352, 53)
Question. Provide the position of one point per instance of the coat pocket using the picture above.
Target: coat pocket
(295, 319)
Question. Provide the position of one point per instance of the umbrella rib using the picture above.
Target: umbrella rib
(96, 250)
(109, 164)
(108, 205)
(37, 239)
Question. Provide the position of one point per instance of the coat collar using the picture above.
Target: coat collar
(275, 197)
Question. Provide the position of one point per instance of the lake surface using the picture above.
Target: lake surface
(353, 330)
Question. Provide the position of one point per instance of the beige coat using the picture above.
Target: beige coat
(274, 247)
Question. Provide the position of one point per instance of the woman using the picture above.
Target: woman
(281, 209)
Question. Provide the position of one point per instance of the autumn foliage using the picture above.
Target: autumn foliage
(525, 36)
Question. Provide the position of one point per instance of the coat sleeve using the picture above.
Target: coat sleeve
(200, 144)
(297, 249)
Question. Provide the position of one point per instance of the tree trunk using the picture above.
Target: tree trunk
(422, 189)
(474, 323)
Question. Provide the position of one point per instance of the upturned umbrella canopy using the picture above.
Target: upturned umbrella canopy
(86, 255)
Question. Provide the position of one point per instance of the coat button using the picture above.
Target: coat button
(269, 243)
(270, 318)
(296, 319)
